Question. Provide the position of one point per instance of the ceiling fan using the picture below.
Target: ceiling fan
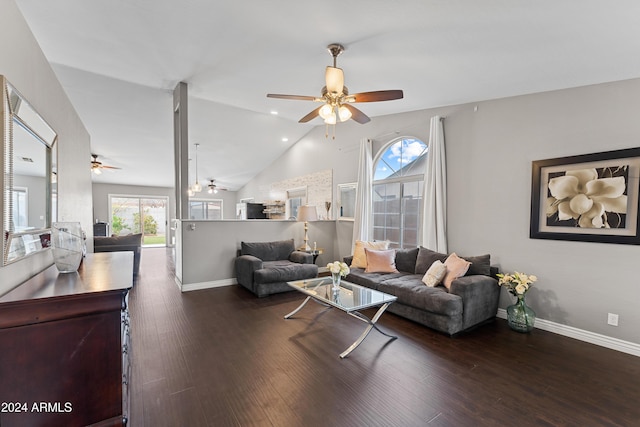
(96, 166)
(336, 98)
(214, 188)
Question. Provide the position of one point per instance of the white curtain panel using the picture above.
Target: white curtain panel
(362, 221)
(434, 227)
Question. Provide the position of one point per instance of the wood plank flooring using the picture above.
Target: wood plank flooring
(222, 357)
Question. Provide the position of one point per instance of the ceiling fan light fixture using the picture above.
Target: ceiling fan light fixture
(97, 171)
(325, 111)
(334, 78)
(331, 120)
(344, 113)
(196, 188)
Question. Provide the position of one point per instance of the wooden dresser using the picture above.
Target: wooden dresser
(64, 346)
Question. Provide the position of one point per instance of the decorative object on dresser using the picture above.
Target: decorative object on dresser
(64, 340)
(265, 267)
(307, 213)
(67, 243)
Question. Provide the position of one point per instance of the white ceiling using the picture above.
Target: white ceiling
(119, 61)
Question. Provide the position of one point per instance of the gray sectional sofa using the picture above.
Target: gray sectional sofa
(265, 267)
(471, 300)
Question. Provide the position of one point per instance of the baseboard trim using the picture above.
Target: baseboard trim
(582, 335)
(206, 285)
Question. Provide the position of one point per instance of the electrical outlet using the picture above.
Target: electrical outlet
(612, 319)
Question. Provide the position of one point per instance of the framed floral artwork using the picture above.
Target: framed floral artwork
(590, 197)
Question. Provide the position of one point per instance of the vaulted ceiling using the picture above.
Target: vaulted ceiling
(120, 60)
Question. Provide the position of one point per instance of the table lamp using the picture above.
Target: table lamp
(307, 213)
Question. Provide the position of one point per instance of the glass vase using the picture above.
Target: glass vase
(335, 277)
(67, 243)
(520, 316)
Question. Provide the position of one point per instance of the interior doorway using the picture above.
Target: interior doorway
(140, 214)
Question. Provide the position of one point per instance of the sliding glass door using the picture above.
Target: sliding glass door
(136, 214)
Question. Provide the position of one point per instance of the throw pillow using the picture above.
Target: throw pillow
(480, 264)
(456, 267)
(435, 274)
(406, 260)
(360, 258)
(426, 258)
(380, 261)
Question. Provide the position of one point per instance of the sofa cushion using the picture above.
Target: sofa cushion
(284, 271)
(456, 267)
(425, 259)
(359, 257)
(412, 292)
(380, 261)
(406, 259)
(370, 280)
(480, 264)
(268, 251)
(435, 274)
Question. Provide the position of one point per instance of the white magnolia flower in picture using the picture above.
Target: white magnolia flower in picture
(589, 198)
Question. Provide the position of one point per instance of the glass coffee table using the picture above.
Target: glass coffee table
(350, 298)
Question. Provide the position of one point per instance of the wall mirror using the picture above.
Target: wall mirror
(29, 177)
(347, 201)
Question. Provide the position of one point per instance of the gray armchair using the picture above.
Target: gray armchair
(265, 267)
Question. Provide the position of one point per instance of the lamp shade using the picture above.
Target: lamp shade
(307, 213)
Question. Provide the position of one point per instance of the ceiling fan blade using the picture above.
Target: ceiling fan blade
(357, 115)
(380, 95)
(296, 97)
(108, 167)
(311, 115)
(334, 78)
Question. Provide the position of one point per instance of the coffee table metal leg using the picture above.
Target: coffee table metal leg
(372, 324)
(297, 309)
(303, 304)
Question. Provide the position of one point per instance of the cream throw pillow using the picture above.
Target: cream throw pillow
(434, 274)
(360, 258)
(456, 267)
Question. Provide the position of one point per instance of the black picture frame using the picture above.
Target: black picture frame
(570, 197)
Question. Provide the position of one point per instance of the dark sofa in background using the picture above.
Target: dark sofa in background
(265, 267)
(471, 300)
(131, 242)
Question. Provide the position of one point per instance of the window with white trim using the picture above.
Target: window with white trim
(398, 184)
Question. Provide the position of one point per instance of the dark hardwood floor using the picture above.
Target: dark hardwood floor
(222, 357)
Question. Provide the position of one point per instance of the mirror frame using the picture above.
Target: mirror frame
(351, 186)
(35, 125)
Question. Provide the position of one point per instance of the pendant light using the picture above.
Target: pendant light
(196, 188)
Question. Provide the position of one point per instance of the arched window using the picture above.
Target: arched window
(398, 183)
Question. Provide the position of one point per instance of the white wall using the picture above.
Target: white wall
(24, 65)
(489, 155)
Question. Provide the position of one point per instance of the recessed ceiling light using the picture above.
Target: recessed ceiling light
(285, 139)
(274, 112)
